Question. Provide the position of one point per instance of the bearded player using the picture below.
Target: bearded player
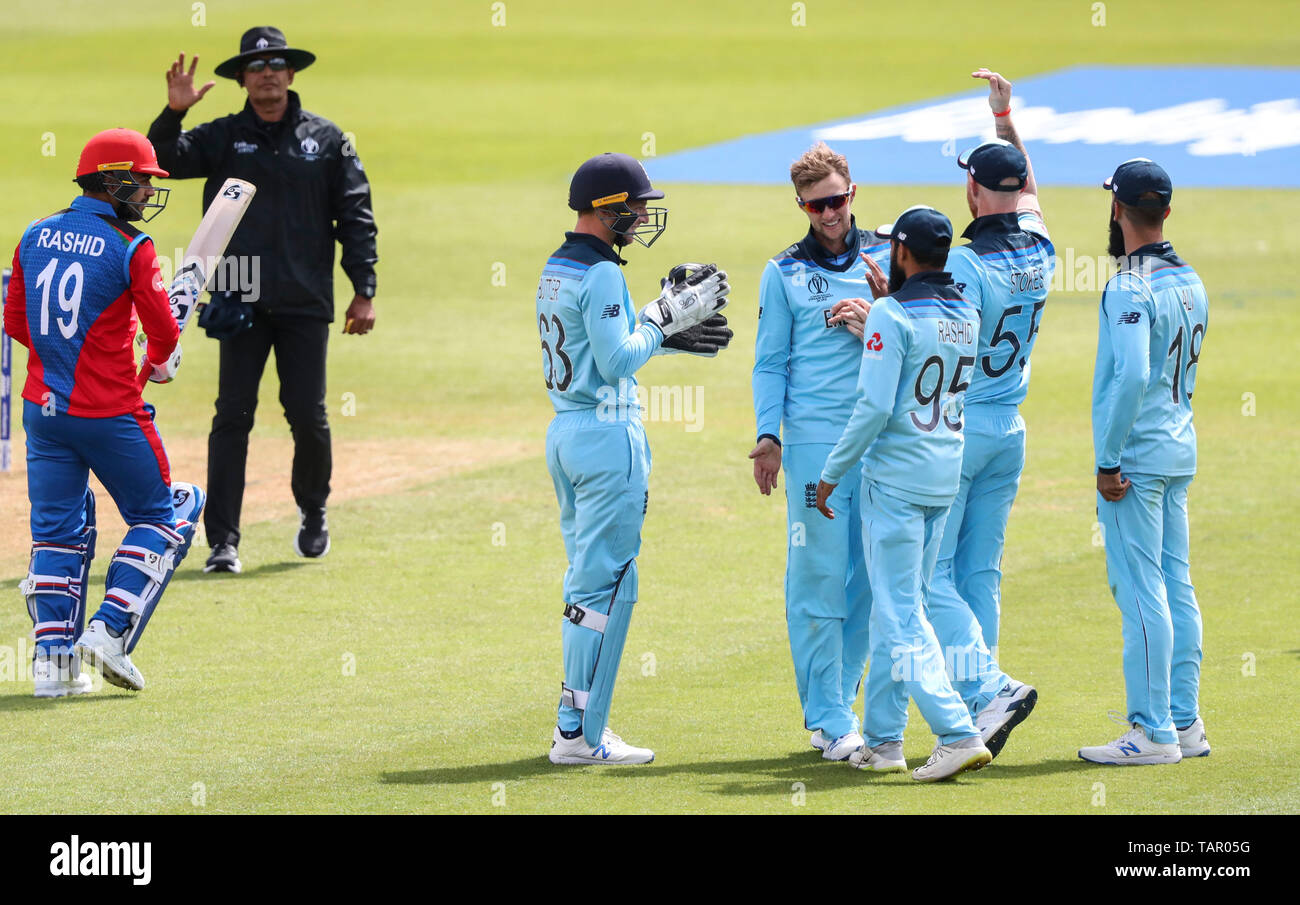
(80, 278)
(807, 353)
(1152, 322)
(592, 344)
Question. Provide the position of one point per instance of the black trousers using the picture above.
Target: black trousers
(300, 345)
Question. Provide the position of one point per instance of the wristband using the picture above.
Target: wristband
(1111, 470)
(773, 437)
(1006, 112)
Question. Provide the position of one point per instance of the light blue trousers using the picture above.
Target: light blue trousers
(601, 472)
(964, 604)
(970, 558)
(901, 540)
(827, 593)
(1147, 565)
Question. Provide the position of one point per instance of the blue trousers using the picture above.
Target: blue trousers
(601, 472)
(901, 540)
(827, 593)
(1147, 564)
(970, 558)
(124, 452)
(964, 604)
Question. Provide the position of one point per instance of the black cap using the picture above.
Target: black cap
(610, 178)
(922, 229)
(260, 40)
(1134, 178)
(994, 161)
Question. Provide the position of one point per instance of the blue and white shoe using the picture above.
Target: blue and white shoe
(819, 741)
(1005, 712)
(842, 747)
(612, 750)
(1192, 741)
(1132, 749)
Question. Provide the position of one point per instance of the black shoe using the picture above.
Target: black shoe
(224, 558)
(313, 538)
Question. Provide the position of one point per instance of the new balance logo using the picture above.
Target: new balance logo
(609, 311)
(602, 751)
(1128, 748)
(1130, 317)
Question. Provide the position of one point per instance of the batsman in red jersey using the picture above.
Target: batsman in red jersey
(80, 279)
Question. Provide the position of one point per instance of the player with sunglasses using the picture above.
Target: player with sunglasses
(812, 303)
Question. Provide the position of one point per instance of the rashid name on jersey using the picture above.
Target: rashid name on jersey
(1005, 271)
(79, 277)
(805, 369)
(916, 367)
(591, 342)
(1152, 322)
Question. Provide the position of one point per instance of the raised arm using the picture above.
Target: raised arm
(1000, 104)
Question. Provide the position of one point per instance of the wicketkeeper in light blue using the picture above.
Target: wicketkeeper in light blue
(593, 342)
(1005, 271)
(1152, 325)
(906, 433)
(811, 307)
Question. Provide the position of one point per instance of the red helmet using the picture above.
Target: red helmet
(119, 149)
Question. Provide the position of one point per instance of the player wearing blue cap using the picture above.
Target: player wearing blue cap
(806, 356)
(596, 451)
(1004, 270)
(1153, 318)
(906, 434)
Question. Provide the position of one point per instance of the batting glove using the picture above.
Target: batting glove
(165, 372)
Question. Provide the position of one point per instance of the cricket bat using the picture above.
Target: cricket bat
(204, 253)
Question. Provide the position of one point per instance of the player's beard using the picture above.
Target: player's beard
(896, 275)
(1115, 245)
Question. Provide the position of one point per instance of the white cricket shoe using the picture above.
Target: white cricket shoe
(819, 741)
(946, 761)
(1192, 741)
(886, 757)
(1132, 749)
(99, 649)
(611, 750)
(844, 746)
(58, 677)
(1005, 712)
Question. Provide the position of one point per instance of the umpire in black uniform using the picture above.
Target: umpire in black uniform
(311, 190)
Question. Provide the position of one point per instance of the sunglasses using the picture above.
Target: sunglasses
(277, 64)
(817, 205)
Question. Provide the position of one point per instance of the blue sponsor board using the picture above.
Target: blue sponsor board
(1207, 125)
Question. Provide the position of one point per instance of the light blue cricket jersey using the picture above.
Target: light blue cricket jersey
(1152, 323)
(916, 367)
(805, 370)
(1005, 271)
(591, 342)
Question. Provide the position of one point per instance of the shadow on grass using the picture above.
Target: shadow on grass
(270, 568)
(807, 768)
(12, 703)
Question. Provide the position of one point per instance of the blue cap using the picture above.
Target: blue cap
(608, 179)
(1134, 178)
(994, 161)
(922, 229)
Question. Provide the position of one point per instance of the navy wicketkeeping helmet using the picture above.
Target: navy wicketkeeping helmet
(608, 182)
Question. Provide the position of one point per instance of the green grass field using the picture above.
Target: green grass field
(416, 668)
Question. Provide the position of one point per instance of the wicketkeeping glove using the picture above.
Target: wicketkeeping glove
(706, 339)
(692, 293)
